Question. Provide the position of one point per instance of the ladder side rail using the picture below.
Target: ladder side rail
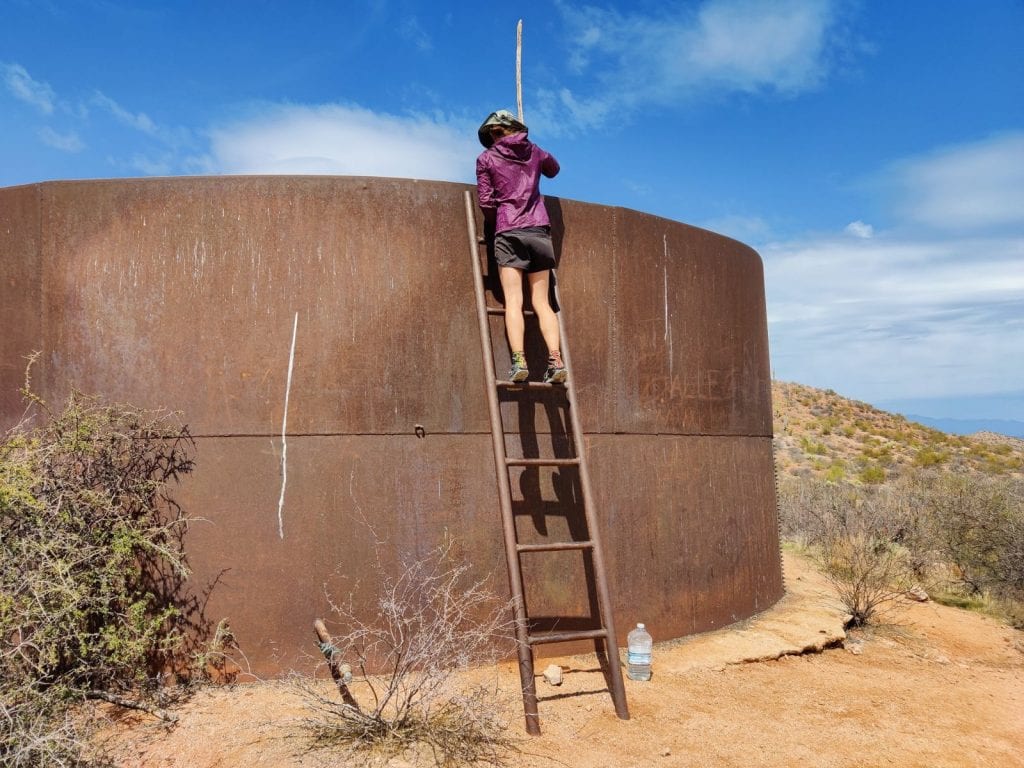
(618, 689)
(515, 576)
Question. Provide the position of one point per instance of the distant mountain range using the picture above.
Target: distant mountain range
(971, 426)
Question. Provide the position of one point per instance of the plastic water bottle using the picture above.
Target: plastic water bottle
(638, 657)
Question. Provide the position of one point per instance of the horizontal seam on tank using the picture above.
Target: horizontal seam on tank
(439, 433)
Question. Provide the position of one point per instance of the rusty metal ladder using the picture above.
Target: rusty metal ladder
(525, 638)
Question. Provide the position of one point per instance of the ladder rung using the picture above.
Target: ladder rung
(561, 637)
(543, 462)
(501, 311)
(505, 383)
(555, 546)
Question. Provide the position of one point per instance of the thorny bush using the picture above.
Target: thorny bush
(431, 622)
(91, 560)
(977, 526)
(855, 536)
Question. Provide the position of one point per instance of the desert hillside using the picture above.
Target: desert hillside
(821, 433)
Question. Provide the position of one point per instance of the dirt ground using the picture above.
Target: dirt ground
(935, 687)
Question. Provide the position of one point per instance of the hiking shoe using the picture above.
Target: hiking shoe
(518, 372)
(556, 374)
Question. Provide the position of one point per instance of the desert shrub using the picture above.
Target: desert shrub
(856, 536)
(90, 558)
(928, 456)
(977, 527)
(798, 502)
(813, 447)
(867, 571)
(836, 471)
(431, 623)
(871, 474)
(994, 459)
(998, 464)
(827, 424)
(875, 451)
(961, 534)
(218, 660)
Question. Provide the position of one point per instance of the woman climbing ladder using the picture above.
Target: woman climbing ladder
(508, 175)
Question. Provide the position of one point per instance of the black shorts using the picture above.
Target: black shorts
(528, 249)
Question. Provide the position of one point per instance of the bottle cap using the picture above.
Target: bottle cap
(639, 626)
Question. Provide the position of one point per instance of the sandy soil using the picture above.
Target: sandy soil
(936, 687)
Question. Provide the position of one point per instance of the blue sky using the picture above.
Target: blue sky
(872, 152)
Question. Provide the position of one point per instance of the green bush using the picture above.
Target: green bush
(879, 452)
(1001, 464)
(812, 447)
(91, 564)
(872, 474)
(836, 472)
(827, 424)
(929, 456)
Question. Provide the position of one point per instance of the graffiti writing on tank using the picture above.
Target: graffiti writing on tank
(706, 385)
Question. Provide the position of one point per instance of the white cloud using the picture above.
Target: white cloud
(21, 84)
(860, 229)
(932, 306)
(751, 45)
(91, 117)
(66, 142)
(971, 186)
(348, 140)
(726, 45)
(897, 316)
(151, 167)
(140, 122)
(411, 30)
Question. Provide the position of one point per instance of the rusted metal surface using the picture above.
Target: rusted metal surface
(183, 293)
(21, 316)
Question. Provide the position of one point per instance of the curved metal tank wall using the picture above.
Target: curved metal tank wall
(183, 293)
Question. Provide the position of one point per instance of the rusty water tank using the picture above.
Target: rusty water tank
(200, 294)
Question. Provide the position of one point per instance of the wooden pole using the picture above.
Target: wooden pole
(338, 670)
(519, 69)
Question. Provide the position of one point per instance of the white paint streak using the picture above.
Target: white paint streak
(284, 431)
(664, 272)
(668, 327)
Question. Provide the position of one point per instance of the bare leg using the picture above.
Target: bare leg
(540, 283)
(512, 285)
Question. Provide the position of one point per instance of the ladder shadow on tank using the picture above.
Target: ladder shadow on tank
(540, 518)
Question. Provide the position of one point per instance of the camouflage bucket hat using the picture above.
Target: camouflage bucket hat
(503, 118)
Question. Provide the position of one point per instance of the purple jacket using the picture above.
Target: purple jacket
(508, 182)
